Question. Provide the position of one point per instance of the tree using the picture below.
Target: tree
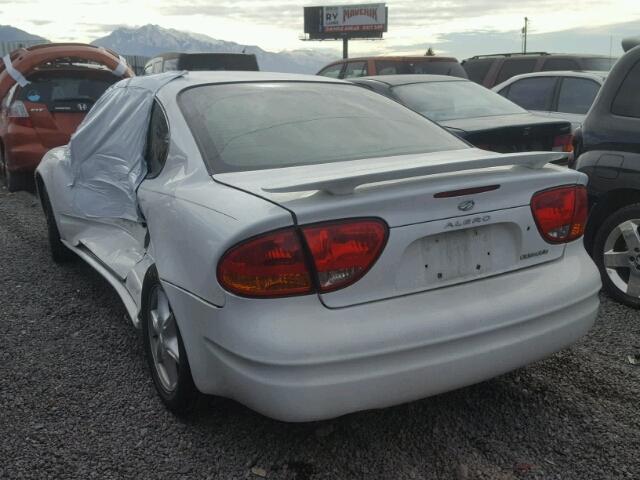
(430, 53)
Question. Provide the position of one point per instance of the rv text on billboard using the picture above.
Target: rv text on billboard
(354, 18)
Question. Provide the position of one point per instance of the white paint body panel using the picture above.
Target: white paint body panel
(296, 360)
(398, 334)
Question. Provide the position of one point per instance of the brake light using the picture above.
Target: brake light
(560, 213)
(276, 264)
(270, 265)
(563, 143)
(19, 115)
(342, 252)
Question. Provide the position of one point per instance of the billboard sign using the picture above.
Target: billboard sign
(346, 21)
(369, 17)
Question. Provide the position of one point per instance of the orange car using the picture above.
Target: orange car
(388, 65)
(46, 91)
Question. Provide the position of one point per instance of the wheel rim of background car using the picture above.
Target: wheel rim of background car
(163, 339)
(621, 257)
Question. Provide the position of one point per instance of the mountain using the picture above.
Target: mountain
(12, 34)
(151, 40)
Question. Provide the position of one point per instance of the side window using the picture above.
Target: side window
(355, 69)
(6, 101)
(577, 95)
(477, 69)
(157, 66)
(170, 65)
(555, 64)
(515, 66)
(534, 93)
(157, 141)
(332, 71)
(388, 67)
(505, 91)
(627, 101)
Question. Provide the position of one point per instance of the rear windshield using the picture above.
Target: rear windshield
(598, 64)
(66, 91)
(255, 126)
(441, 101)
(478, 69)
(196, 62)
(433, 67)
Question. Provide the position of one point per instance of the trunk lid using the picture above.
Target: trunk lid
(57, 100)
(53, 127)
(434, 240)
(510, 133)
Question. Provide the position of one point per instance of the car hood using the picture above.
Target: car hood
(476, 124)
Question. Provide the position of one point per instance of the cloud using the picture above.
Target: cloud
(402, 13)
(100, 28)
(596, 40)
(253, 11)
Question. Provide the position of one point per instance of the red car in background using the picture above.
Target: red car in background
(46, 91)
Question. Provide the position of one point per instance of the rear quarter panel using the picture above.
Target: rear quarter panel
(193, 220)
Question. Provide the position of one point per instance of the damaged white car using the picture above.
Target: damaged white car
(311, 248)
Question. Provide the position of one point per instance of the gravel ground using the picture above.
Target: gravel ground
(76, 400)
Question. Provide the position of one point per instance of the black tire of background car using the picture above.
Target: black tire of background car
(15, 181)
(185, 396)
(615, 219)
(59, 252)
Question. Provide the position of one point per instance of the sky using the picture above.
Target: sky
(458, 27)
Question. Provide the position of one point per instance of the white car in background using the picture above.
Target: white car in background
(310, 248)
(560, 95)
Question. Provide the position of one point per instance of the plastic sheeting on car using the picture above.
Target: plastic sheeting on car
(107, 150)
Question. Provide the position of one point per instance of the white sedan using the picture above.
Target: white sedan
(311, 248)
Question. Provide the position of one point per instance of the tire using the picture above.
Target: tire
(59, 252)
(616, 251)
(15, 181)
(166, 356)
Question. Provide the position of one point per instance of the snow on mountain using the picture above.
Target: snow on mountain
(151, 40)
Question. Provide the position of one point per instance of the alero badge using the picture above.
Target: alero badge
(466, 206)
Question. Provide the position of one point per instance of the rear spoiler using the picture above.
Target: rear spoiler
(347, 179)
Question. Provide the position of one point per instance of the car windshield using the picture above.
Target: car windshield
(214, 61)
(598, 64)
(405, 67)
(256, 126)
(441, 101)
(55, 87)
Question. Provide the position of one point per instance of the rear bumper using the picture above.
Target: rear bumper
(296, 360)
(24, 150)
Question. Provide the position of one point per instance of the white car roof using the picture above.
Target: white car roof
(189, 79)
(112, 138)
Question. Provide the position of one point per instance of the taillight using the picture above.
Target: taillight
(18, 114)
(563, 143)
(270, 265)
(560, 213)
(344, 251)
(276, 264)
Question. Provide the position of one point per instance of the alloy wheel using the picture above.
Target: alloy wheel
(163, 340)
(621, 257)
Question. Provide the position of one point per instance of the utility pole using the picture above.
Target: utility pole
(345, 47)
(524, 34)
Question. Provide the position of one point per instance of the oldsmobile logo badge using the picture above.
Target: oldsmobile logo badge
(466, 206)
